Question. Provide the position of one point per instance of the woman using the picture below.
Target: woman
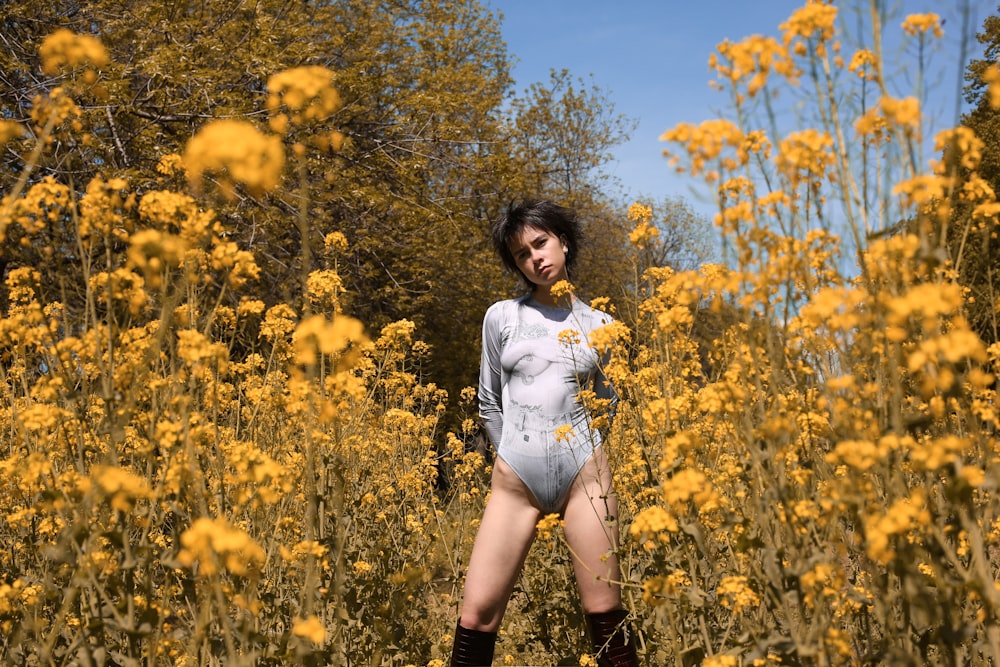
(549, 459)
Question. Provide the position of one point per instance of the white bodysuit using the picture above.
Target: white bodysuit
(528, 385)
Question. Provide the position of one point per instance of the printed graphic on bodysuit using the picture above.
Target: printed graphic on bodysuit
(531, 375)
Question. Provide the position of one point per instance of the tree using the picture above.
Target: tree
(561, 135)
(411, 166)
(971, 239)
(421, 85)
(682, 239)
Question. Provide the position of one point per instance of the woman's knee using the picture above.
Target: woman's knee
(600, 600)
(481, 620)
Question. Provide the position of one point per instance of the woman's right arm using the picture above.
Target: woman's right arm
(490, 376)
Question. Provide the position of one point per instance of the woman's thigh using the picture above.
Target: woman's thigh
(505, 535)
(591, 529)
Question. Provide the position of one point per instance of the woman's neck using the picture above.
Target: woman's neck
(544, 296)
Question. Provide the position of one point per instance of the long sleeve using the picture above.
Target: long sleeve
(605, 390)
(491, 376)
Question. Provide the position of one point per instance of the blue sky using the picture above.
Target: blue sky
(651, 58)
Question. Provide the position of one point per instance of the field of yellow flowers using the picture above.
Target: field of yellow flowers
(191, 483)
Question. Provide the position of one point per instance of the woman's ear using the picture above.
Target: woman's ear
(565, 246)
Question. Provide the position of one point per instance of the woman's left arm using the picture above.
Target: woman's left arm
(603, 387)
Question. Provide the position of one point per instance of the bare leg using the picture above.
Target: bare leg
(591, 529)
(502, 543)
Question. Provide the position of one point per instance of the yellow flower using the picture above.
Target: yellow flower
(904, 112)
(335, 241)
(250, 307)
(396, 334)
(919, 24)
(305, 93)
(652, 521)
(256, 478)
(871, 125)
(656, 590)
(66, 50)
(991, 77)
(686, 485)
(153, 251)
(209, 541)
(805, 155)
(921, 190)
(41, 417)
(603, 304)
(121, 487)
(323, 288)
(546, 525)
(861, 61)
(310, 628)
(562, 288)
(241, 264)
(639, 213)
(569, 337)
(643, 234)
(752, 60)
(705, 143)
(608, 336)
(822, 581)
(317, 334)
(170, 164)
(770, 202)
(902, 516)
(279, 321)
(237, 153)
(45, 204)
(858, 454)
(563, 433)
(977, 189)
(734, 592)
(103, 206)
(935, 453)
(10, 129)
(962, 144)
(816, 20)
(56, 108)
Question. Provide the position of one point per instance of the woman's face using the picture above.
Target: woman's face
(540, 255)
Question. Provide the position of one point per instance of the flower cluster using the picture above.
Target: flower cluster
(236, 153)
(301, 95)
(64, 50)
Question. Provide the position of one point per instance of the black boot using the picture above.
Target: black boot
(612, 638)
(473, 648)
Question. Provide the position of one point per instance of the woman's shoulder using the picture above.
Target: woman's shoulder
(595, 315)
(505, 306)
(502, 313)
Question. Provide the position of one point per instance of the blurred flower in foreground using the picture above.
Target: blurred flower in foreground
(65, 50)
(211, 541)
(300, 95)
(121, 487)
(310, 628)
(917, 24)
(237, 153)
(9, 130)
